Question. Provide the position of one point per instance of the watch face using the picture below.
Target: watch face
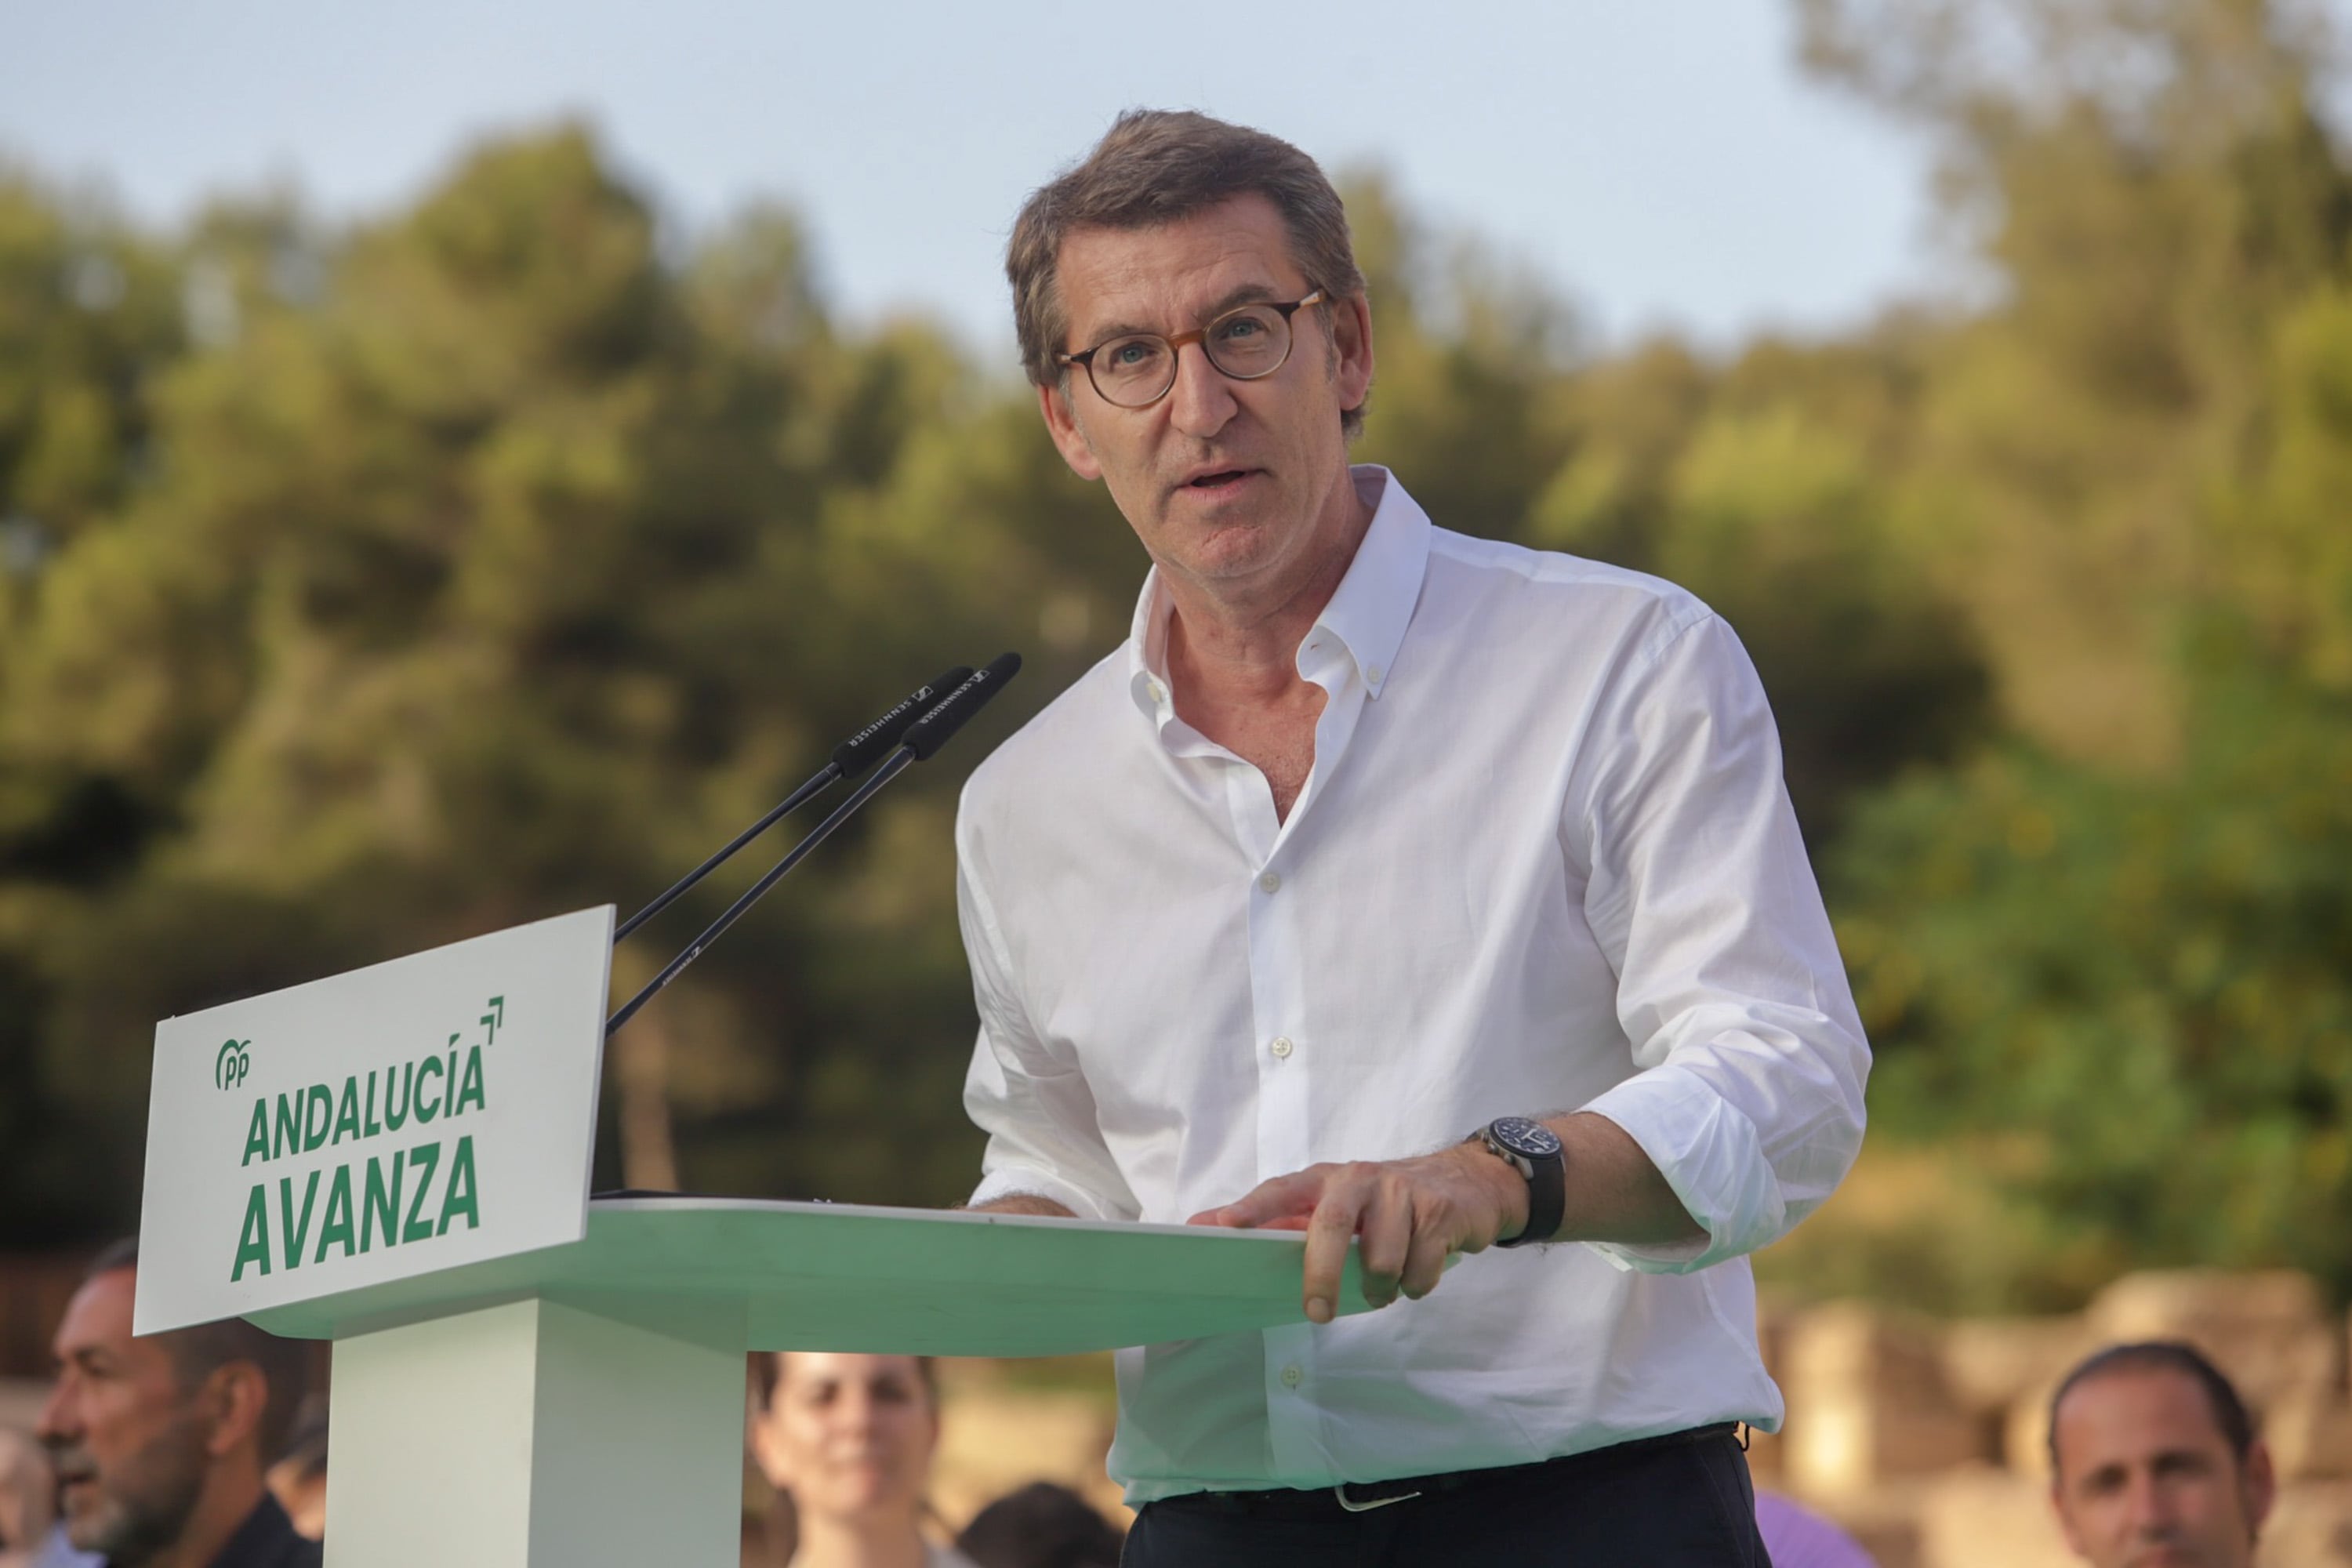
(1520, 1136)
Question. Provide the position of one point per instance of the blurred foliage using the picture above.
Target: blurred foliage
(2107, 957)
(365, 588)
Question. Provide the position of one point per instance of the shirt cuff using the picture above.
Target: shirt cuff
(1710, 1155)
(1027, 1181)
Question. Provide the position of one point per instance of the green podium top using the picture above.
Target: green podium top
(847, 1276)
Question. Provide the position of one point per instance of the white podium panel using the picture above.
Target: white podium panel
(537, 1434)
(410, 1117)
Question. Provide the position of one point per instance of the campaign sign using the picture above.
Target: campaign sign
(412, 1116)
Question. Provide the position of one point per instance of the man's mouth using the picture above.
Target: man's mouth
(1218, 479)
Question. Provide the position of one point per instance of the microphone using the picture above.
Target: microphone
(919, 740)
(850, 758)
(866, 747)
(930, 731)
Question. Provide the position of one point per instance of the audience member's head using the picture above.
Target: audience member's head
(159, 1442)
(1040, 1526)
(850, 1438)
(27, 1491)
(298, 1479)
(2154, 1460)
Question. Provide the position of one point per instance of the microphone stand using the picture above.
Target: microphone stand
(924, 735)
(897, 763)
(792, 803)
(849, 759)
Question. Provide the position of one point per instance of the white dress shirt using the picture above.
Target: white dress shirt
(1544, 862)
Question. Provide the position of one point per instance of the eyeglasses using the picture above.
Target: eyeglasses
(1137, 370)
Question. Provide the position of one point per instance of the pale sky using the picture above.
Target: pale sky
(1661, 161)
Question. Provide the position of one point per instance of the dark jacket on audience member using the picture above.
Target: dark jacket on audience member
(267, 1540)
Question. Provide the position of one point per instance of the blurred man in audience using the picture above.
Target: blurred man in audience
(2154, 1460)
(1040, 1526)
(159, 1442)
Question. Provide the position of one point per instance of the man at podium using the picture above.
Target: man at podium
(1392, 884)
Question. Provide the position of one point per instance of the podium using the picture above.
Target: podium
(396, 1160)
(584, 1403)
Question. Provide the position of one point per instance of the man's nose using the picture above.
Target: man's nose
(56, 1423)
(2152, 1513)
(1202, 401)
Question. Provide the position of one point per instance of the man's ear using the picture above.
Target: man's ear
(235, 1396)
(1062, 424)
(1351, 347)
(2065, 1524)
(2260, 1487)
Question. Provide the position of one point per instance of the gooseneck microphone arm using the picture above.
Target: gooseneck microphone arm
(852, 757)
(923, 736)
(898, 762)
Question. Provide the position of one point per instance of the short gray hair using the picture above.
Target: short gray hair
(1155, 166)
(284, 1364)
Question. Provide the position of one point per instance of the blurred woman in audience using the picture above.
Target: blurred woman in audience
(30, 1536)
(27, 1493)
(850, 1438)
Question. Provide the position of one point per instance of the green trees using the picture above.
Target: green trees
(2128, 994)
(2106, 960)
(497, 575)
(361, 590)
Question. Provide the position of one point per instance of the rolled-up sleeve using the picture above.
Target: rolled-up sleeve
(1750, 1059)
(1044, 1140)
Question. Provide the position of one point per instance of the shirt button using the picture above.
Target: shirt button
(1159, 692)
(1270, 881)
(1292, 1377)
(1372, 676)
(1281, 1047)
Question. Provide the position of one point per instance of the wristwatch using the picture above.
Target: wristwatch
(1531, 1149)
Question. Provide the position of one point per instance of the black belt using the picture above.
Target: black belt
(1356, 1497)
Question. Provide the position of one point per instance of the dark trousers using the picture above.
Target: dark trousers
(1658, 1504)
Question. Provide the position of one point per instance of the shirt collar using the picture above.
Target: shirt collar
(1368, 614)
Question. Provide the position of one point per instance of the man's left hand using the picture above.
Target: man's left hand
(1411, 1214)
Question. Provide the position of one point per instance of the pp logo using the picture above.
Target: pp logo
(233, 1062)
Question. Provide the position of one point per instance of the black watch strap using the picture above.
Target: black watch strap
(1531, 1149)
